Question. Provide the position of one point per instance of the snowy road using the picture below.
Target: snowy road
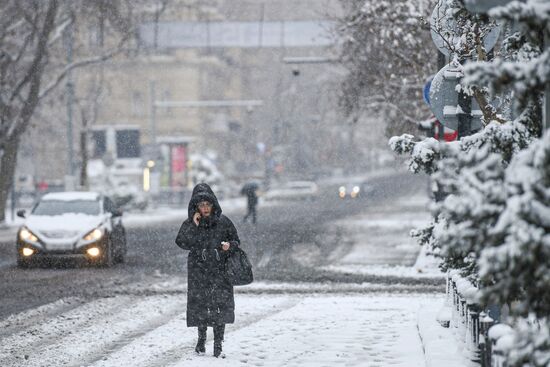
(292, 242)
(336, 285)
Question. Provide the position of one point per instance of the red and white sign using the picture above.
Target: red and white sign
(448, 134)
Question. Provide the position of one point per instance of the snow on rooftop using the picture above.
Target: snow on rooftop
(72, 196)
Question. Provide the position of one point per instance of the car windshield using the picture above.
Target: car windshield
(58, 207)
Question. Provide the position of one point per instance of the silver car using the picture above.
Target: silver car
(72, 225)
(299, 190)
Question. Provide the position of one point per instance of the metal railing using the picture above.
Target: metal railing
(471, 325)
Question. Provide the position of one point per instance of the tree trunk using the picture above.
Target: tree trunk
(8, 162)
(84, 156)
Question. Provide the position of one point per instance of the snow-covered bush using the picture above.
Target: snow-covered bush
(471, 208)
(517, 270)
(493, 226)
(527, 343)
(530, 345)
(494, 218)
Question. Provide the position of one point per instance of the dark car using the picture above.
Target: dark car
(72, 225)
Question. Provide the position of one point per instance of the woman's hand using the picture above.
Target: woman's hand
(196, 218)
(225, 246)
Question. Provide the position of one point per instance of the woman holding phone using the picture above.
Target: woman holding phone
(210, 237)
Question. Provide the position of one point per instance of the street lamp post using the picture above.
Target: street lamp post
(302, 60)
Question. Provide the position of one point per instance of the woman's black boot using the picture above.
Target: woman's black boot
(218, 339)
(200, 348)
(217, 349)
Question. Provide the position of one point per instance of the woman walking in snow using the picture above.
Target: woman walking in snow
(210, 237)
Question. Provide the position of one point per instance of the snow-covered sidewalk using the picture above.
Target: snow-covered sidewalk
(307, 329)
(381, 244)
(336, 330)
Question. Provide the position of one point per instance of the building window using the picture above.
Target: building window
(127, 144)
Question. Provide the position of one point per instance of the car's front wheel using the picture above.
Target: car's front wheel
(107, 260)
(22, 262)
(121, 253)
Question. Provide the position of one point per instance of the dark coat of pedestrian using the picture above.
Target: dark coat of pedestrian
(210, 237)
(249, 190)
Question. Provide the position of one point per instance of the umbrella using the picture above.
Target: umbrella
(249, 187)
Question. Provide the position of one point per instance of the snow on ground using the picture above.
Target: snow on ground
(177, 285)
(303, 329)
(440, 344)
(381, 244)
(328, 331)
(277, 324)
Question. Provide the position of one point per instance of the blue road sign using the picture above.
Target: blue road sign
(426, 92)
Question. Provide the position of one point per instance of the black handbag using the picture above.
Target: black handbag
(238, 269)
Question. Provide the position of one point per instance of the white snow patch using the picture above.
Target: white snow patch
(382, 245)
(76, 222)
(440, 346)
(72, 196)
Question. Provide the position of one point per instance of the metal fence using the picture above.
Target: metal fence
(471, 325)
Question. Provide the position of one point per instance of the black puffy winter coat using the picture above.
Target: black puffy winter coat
(209, 295)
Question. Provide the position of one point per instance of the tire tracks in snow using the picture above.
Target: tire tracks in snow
(34, 338)
(84, 333)
(130, 337)
(16, 324)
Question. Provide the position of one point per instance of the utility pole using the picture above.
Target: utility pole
(152, 115)
(441, 62)
(465, 115)
(261, 25)
(296, 61)
(68, 38)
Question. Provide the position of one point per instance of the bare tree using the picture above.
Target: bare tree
(387, 49)
(33, 62)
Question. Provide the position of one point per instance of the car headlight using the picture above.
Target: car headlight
(356, 189)
(26, 251)
(94, 235)
(93, 251)
(26, 235)
(342, 192)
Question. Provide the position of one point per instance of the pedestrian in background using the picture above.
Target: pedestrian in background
(250, 191)
(210, 237)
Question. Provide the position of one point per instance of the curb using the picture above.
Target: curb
(439, 344)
